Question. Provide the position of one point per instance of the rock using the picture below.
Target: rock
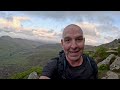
(33, 75)
(112, 52)
(104, 78)
(115, 66)
(111, 75)
(107, 61)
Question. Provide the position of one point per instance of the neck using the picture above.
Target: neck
(76, 62)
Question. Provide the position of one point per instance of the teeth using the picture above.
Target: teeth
(74, 52)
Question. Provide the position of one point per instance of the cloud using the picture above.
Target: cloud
(89, 41)
(13, 28)
(88, 28)
(81, 15)
(62, 15)
(48, 34)
(14, 23)
(34, 35)
(97, 34)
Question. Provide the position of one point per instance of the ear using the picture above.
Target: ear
(84, 40)
(62, 43)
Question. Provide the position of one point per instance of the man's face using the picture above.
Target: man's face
(73, 43)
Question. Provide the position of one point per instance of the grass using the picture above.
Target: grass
(102, 70)
(25, 74)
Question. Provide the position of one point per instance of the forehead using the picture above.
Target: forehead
(72, 31)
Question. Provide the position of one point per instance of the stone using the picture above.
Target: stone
(33, 75)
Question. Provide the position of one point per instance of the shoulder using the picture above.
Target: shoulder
(91, 60)
(53, 61)
(93, 65)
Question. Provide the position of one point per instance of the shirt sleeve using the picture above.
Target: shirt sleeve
(50, 69)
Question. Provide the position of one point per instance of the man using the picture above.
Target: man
(71, 62)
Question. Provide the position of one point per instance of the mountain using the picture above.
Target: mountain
(17, 55)
(24, 43)
(112, 44)
(89, 47)
(10, 47)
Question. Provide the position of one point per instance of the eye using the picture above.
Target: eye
(79, 39)
(67, 40)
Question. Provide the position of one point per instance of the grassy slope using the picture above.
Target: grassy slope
(17, 57)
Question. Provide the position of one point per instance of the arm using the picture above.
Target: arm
(44, 77)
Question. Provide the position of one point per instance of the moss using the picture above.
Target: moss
(24, 75)
(104, 67)
(102, 73)
(101, 54)
(102, 70)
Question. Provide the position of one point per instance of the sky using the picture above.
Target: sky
(99, 27)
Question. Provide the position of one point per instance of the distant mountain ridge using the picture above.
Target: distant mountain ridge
(7, 40)
(20, 42)
(112, 44)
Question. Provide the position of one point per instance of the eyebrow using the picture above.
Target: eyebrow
(80, 37)
(66, 38)
(75, 37)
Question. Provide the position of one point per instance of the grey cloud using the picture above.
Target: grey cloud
(90, 32)
(118, 36)
(51, 31)
(2, 33)
(58, 34)
(6, 15)
(108, 29)
(79, 16)
(2, 14)
(106, 20)
(9, 30)
(9, 18)
(27, 33)
(61, 15)
(90, 15)
(108, 38)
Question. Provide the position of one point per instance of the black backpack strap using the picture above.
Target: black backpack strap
(93, 66)
(88, 59)
(61, 66)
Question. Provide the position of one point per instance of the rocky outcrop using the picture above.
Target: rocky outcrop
(107, 61)
(113, 62)
(33, 75)
(115, 66)
(111, 75)
(113, 51)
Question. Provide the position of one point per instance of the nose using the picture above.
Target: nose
(73, 44)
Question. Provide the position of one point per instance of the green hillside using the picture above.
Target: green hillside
(18, 55)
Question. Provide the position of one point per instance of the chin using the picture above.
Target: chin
(74, 58)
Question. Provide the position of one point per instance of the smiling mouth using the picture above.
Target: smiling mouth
(74, 51)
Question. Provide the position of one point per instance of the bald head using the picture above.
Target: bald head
(71, 27)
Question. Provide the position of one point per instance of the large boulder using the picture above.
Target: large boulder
(33, 75)
(107, 61)
(115, 66)
(111, 75)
